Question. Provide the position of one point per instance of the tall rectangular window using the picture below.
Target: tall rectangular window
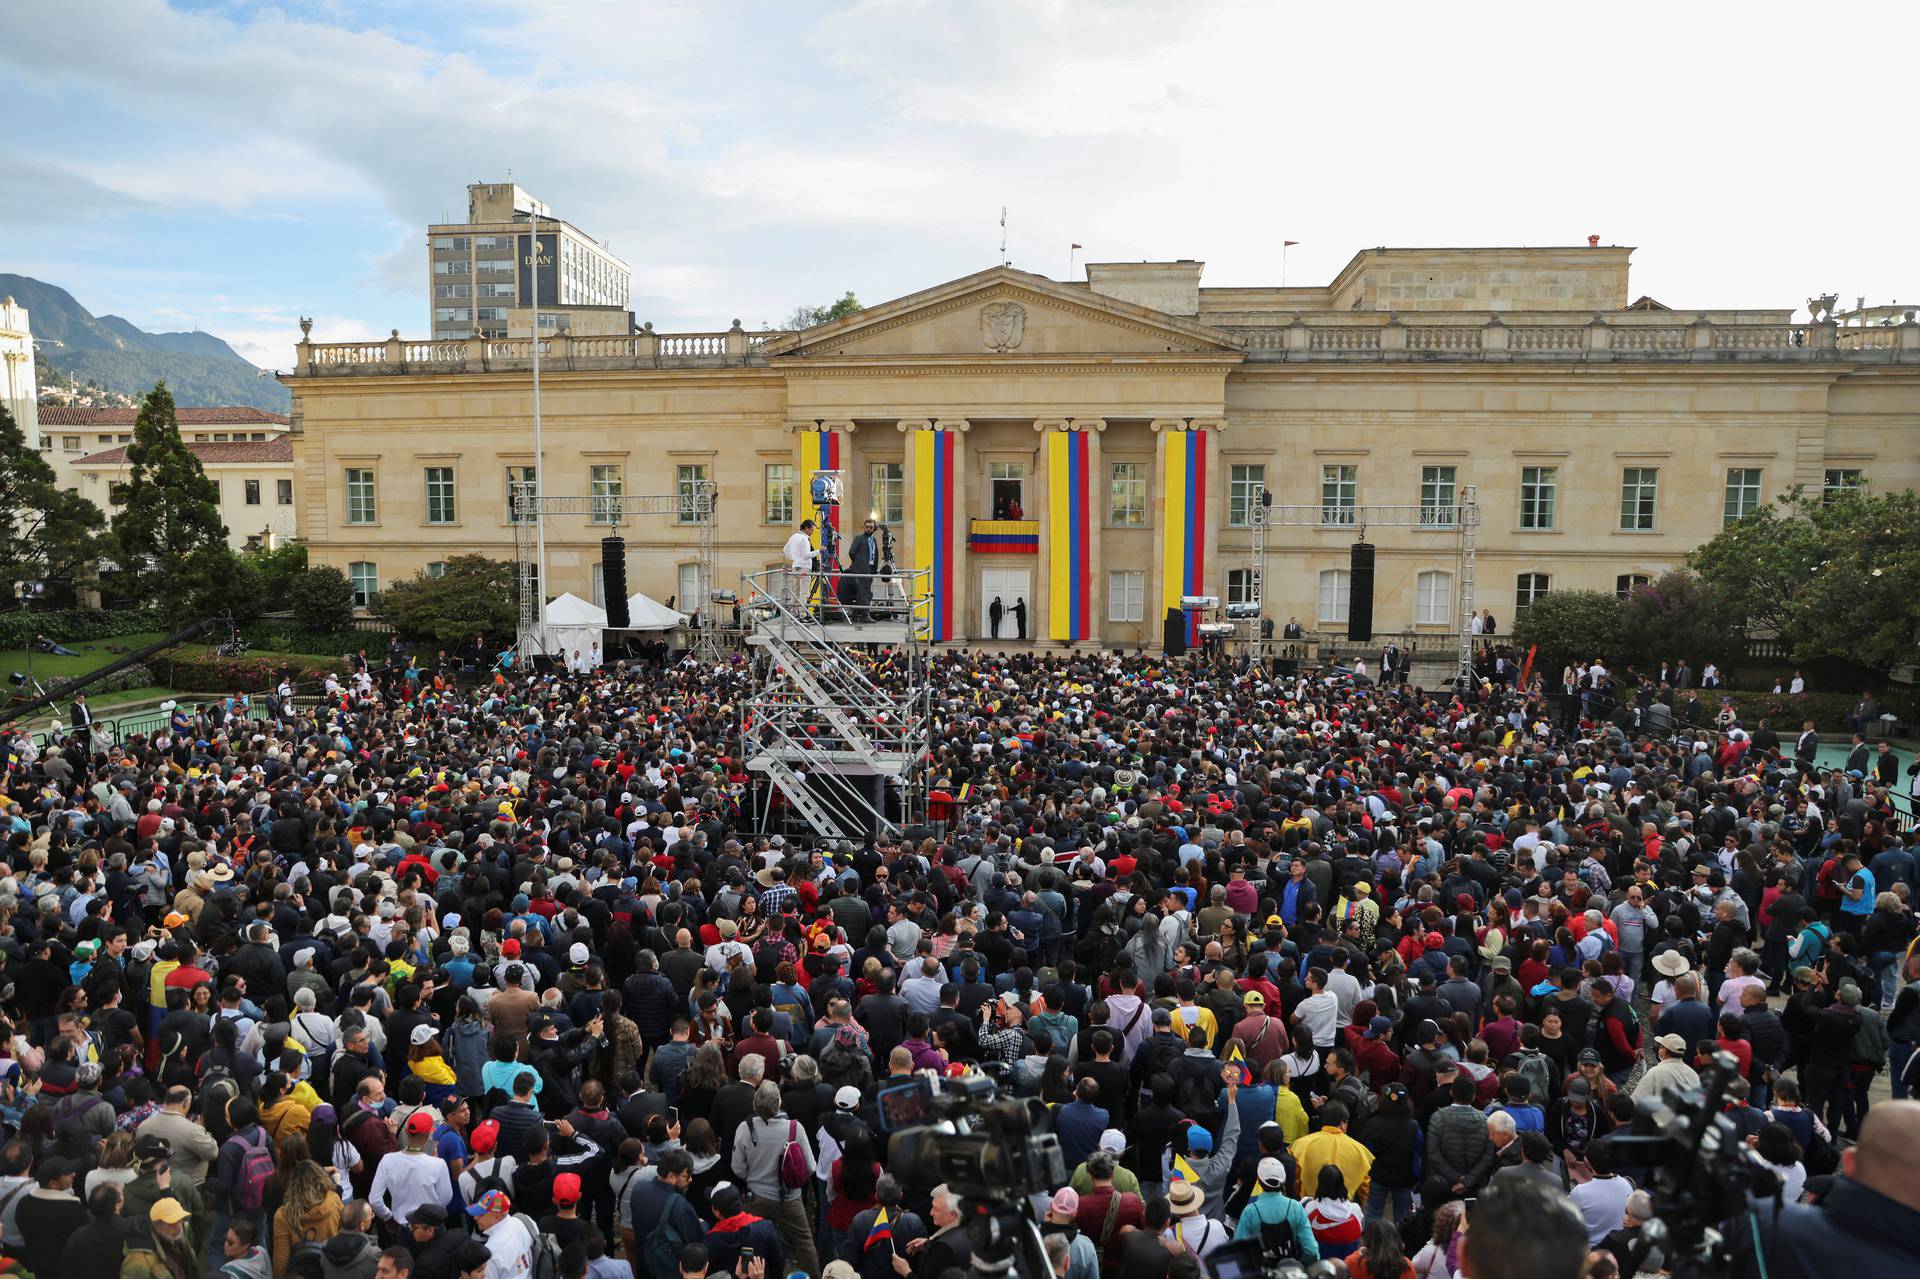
(283, 492)
(439, 495)
(1243, 586)
(1528, 587)
(1339, 493)
(887, 491)
(1335, 595)
(1539, 493)
(1639, 498)
(1437, 488)
(360, 505)
(607, 489)
(1127, 495)
(1743, 492)
(1841, 480)
(1007, 490)
(687, 481)
(517, 476)
(1126, 595)
(365, 579)
(779, 503)
(251, 490)
(1243, 493)
(1433, 599)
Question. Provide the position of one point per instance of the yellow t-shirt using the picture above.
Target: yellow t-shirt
(1185, 1019)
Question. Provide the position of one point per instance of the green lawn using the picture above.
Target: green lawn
(93, 654)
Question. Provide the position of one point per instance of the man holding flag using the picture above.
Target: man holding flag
(887, 1233)
(1193, 1157)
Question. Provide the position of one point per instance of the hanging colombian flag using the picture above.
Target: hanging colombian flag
(1183, 513)
(935, 475)
(1069, 537)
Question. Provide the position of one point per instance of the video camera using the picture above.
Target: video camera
(1701, 1173)
(984, 1148)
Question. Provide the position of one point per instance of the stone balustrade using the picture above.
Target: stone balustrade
(1637, 336)
(1652, 336)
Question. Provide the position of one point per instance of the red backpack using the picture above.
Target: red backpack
(256, 1172)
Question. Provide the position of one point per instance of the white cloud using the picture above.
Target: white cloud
(746, 160)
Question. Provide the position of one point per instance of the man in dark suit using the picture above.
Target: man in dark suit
(82, 713)
(863, 558)
(1806, 747)
(948, 1246)
(1020, 614)
(1859, 759)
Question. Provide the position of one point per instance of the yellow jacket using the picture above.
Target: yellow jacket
(433, 1070)
(1331, 1146)
(1290, 1115)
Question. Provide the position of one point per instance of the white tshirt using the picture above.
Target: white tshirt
(510, 1250)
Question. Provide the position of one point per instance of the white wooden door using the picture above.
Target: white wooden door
(1007, 585)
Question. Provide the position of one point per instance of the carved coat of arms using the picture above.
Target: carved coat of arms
(1002, 324)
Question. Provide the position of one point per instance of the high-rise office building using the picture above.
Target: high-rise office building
(480, 269)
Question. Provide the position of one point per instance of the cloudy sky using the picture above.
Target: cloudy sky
(232, 166)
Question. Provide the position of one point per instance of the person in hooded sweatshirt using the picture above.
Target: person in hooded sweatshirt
(353, 1253)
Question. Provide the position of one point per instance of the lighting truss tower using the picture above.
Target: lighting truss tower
(836, 728)
(698, 505)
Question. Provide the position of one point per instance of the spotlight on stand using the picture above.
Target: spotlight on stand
(1199, 601)
(1244, 612)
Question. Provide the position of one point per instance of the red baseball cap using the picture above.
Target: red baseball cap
(483, 1136)
(510, 948)
(566, 1188)
(419, 1124)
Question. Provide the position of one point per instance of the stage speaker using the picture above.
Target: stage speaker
(1173, 634)
(613, 581)
(1360, 596)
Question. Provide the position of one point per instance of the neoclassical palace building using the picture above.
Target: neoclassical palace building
(1097, 449)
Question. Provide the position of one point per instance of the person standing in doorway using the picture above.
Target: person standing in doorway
(1020, 614)
(995, 611)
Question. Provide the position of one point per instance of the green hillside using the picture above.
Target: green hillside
(199, 368)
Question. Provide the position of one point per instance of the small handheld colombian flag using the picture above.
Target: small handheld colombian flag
(882, 1231)
(1236, 1056)
(1183, 1171)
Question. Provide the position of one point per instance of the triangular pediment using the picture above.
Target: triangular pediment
(1004, 313)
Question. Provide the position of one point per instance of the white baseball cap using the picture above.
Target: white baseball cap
(848, 1098)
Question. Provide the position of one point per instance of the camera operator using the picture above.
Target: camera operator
(863, 558)
(1868, 1223)
(800, 556)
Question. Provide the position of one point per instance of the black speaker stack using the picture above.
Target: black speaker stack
(613, 580)
(1360, 596)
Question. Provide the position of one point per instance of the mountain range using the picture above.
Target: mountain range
(201, 370)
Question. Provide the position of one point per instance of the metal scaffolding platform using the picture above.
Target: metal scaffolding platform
(837, 722)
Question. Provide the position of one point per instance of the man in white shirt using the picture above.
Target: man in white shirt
(1319, 1012)
(799, 555)
(410, 1176)
(509, 1246)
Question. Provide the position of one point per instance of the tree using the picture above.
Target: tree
(1835, 576)
(1570, 625)
(279, 568)
(1861, 602)
(473, 596)
(47, 533)
(805, 317)
(321, 598)
(1679, 615)
(169, 510)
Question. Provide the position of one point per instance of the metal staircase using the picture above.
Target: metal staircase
(841, 742)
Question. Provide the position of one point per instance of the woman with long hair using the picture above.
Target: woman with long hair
(116, 1163)
(703, 1146)
(706, 1076)
(1440, 1255)
(1381, 1255)
(309, 1212)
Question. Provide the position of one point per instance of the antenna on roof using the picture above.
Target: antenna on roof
(1003, 236)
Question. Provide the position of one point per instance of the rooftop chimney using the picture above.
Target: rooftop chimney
(1593, 242)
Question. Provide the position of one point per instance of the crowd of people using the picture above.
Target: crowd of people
(500, 981)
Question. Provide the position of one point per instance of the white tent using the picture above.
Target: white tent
(573, 623)
(649, 614)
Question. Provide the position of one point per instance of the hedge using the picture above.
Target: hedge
(285, 637)
(1824, 709)
(75, 625)
(211, 673)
